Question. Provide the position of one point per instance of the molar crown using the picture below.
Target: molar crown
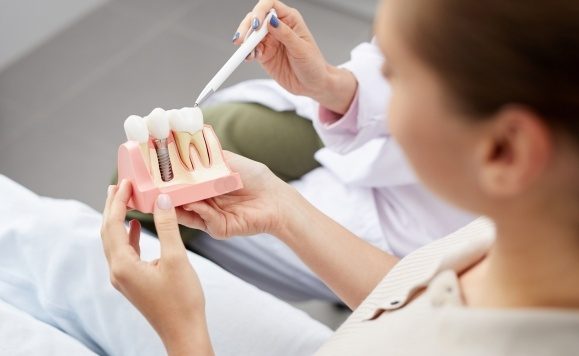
(136, 129)
(158, 124)
(192, 119)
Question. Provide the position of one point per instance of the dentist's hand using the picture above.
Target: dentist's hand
(166, 291)
(290, 55)
(264, 204)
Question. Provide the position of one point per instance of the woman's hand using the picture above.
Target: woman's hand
(263, 205)
(267, 204)
(290, 55)
(166, 291)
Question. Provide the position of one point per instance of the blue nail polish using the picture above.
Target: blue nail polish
(274, 21)
(235, 37)
(255, 23)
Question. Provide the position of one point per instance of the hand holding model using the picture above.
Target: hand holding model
(175, 310)
(260, 206)
(290, 55)
(167, 290)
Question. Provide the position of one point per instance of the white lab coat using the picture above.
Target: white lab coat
(364, 183)
(360, 154)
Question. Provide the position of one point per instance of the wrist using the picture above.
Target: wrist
(337, 90)
(287, 197)
(190, 339)
(295, 213)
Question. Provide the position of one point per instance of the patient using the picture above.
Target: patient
(496, 132)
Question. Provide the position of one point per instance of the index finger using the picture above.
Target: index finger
(258, 14)
(118, 207)
(110, 194)
(114, 233)
(261, 9)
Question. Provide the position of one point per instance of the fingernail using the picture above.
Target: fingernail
(274, 21)
(255, 23)
(164, 202)
(235, 37)
(110, 189)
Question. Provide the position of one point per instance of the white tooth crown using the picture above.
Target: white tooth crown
(136, 129)
(180, 122)
(192, 119)
(158, 124)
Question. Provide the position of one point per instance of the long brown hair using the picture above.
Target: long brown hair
(496, 52)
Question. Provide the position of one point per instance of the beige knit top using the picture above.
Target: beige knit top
(437, 322)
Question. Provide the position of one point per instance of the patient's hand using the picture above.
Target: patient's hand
(261, 206)
(166, 291)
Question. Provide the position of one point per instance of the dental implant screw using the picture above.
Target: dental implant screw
(164, 160)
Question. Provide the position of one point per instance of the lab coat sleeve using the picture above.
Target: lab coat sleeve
(365, 119)
(358, 146)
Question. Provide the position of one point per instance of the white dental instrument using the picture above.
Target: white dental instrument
(236, 59)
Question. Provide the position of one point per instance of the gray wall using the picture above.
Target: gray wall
(24, 24)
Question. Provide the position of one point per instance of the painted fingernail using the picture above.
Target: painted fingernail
(274, 21)
(255, 23)
(164, 202)
(235, 37)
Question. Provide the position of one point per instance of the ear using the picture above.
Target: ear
(515, 152)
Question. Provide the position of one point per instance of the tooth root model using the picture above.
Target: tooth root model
(196, 115)
(158, 124)
(187, 126)
(136, 130)
(183, 130)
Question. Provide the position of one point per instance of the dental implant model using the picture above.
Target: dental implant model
(173, 152)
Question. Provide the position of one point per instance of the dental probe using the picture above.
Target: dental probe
(236, 59)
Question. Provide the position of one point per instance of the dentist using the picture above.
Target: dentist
(362, 165)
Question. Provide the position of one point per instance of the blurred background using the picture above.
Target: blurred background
(71, 71)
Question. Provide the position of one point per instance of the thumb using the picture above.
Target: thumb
(286, 35)
(167, 227)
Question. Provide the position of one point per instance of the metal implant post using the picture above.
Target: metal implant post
(164, 159)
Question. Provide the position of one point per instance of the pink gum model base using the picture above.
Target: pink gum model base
(131, 166)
